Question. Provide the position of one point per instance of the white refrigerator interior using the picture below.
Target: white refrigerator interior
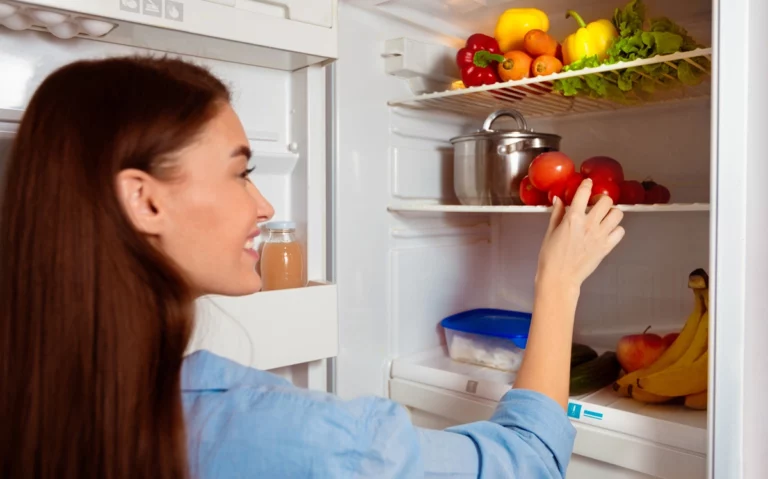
(401, 271)
(344, 146)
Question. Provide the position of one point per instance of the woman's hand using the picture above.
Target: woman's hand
(577, 241)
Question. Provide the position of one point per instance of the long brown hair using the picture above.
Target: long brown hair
(94, 320)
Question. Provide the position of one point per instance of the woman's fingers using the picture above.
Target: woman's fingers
(614, 238)
(611, 220)
(581, 198)
(558, 211)
(600, 210)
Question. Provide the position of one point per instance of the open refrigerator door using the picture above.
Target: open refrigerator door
(282, 108)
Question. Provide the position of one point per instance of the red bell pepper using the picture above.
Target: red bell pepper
(478, 59)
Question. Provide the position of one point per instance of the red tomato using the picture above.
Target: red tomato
(603, 168)
(529, 195)
(632, 193)
(557, 190)
(571, 185)
(607, 188)
(549, 169)
(655, 194)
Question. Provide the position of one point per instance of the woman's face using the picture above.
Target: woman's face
(211, 211)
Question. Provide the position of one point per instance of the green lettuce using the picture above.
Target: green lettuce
(638, 38)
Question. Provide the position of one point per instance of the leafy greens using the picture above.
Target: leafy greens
(661, 37)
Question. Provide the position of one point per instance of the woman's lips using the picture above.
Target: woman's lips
(250, 244)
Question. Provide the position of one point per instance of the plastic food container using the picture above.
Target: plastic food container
(494, 338)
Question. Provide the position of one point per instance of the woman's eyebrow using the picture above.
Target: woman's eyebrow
(241, 150)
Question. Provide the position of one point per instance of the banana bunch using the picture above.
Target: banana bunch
(681, 371)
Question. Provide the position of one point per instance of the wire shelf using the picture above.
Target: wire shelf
(535, 97)
(435, 208)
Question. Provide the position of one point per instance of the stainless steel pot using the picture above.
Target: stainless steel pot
(489, 165)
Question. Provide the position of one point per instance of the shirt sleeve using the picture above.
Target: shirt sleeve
(287, 432)
(528, 436)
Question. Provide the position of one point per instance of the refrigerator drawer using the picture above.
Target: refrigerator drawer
(272, 329)
(434, 407)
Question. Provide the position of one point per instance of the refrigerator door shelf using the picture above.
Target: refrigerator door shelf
(271, 329)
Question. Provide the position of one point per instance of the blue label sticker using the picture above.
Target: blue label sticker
(574, 410)
(593, 415)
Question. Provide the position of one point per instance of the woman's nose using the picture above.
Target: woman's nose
(264, 208)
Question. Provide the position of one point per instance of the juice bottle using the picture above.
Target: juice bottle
(282, 262)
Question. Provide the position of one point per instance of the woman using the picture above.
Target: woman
(127, 197)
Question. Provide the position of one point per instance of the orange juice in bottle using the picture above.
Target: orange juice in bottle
(282, 260)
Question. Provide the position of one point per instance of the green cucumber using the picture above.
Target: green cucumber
(595, 374)
(581, 353)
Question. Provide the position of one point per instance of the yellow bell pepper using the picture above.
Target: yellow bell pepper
(514, 23)
(589, 40)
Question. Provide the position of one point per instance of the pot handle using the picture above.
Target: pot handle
(511, 113)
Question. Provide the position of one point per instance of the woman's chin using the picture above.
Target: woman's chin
(245, 287)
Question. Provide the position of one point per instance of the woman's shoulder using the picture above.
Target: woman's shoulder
(241, 419)
(206, 371)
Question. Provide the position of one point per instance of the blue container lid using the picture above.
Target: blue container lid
(498, 323)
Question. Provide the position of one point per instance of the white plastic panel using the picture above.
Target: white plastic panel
(432, 281)
(414, 169)
(739, 423)
(587, 468)
(271, 329)
(461, 18)
(214, 29)
(261, 96)
(643, 282)
(371, 324)
(314, 12)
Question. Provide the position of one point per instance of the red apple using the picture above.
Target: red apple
(670, 338)
(603, 168)
(632, 193)
(639, 351)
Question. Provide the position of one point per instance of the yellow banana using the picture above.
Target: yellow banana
(698, 346)
(644, 396)
(696, 401)
(698, 282)
(678, 380)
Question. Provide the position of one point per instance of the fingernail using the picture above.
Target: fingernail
(588, 181)
(555, 201)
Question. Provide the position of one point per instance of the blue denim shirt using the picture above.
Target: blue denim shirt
(245, 423)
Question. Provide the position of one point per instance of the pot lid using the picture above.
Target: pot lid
(523, 131)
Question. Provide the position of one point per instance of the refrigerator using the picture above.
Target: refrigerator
(349, 114)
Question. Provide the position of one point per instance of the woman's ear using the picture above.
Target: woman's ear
(138, 193)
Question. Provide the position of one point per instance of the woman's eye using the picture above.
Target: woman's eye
(247, 172)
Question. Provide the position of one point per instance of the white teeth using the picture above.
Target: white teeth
(249, 244)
